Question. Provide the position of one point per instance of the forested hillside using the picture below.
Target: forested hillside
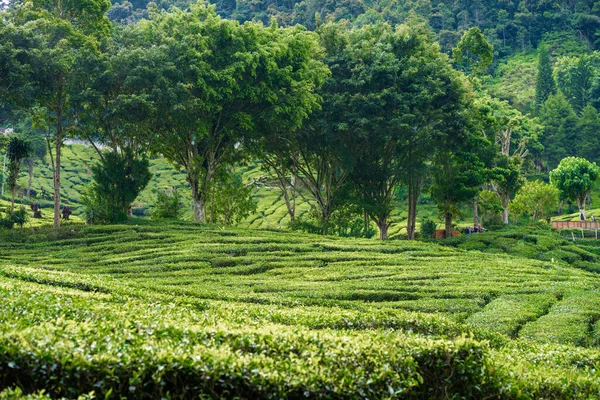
(516, 26)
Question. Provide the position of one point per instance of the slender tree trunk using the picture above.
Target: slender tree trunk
(366, 222)
(58, 144)
(30, 179)
(448, 218)
(505, 202)
(413, 196)
(12, 202)
(475, 212)
(212, 205)
(581, 206)
(290, 202)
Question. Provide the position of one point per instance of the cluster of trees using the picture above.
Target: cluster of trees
(343, 117)
(511, 26)
(567, 97)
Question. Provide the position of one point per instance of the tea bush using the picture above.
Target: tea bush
(173, 310)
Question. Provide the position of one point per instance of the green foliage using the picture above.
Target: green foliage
(560, 122)
(587, 142)
(165, 307)
(230, 200)
(250, 74)
(508, 177)
(94, 207)
(456, 179)
(545, 84)
(535, 199)
(428, 228)
(46, 47)
(576, 77)
(474, 51)
(20, 216)
(346, 221)
(574, 178)
(7, 222)
(491, 207)
(514, 80)
(167, 205)
(117, 180)
(16, 151)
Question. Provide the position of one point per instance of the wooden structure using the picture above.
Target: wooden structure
(441, 234)
(575, 225)
(581, 225)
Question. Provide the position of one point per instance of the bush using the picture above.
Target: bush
(7, 223)
(167, 205)
(428, 228)
(20, 216)
(117, 180)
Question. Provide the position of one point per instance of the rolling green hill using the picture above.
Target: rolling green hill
(177, 310)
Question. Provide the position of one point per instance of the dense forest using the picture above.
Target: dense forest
(351, 107)
(511, 26)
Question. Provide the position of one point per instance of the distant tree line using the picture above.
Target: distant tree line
(510, 26)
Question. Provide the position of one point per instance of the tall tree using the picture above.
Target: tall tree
(398, 92)
(559, 120)
(457, 178)
(17, 150)
(223, 78)
(574, 177)
(576, 77)
(507, 179)
(474, 51)
(44, 42)
(535, 199)
(544, 84)
(588, 132)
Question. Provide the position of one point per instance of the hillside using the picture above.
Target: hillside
(178, 310)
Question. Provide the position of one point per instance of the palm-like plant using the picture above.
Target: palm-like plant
(16, 151)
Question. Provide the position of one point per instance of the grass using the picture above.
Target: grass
(150, 310)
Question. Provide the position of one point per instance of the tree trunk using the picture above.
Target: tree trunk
(30, 179)
(289, 203)
(12, 202)
(448, 218)
(581, 206)
(59, 138)
(199, 203)
(383, 228)
(199, 210)
(57, 179)
(413, 196)
(366, 222)
(505, 202)
(475, 212)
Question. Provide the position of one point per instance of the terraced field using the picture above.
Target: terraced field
(179, 311)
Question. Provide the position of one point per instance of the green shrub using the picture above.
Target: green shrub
(428, 228)
(167, 205)
(20, 216)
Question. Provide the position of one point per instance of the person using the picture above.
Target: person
(593, 218)
(581, 216)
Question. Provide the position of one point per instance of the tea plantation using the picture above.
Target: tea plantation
(180, 311)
